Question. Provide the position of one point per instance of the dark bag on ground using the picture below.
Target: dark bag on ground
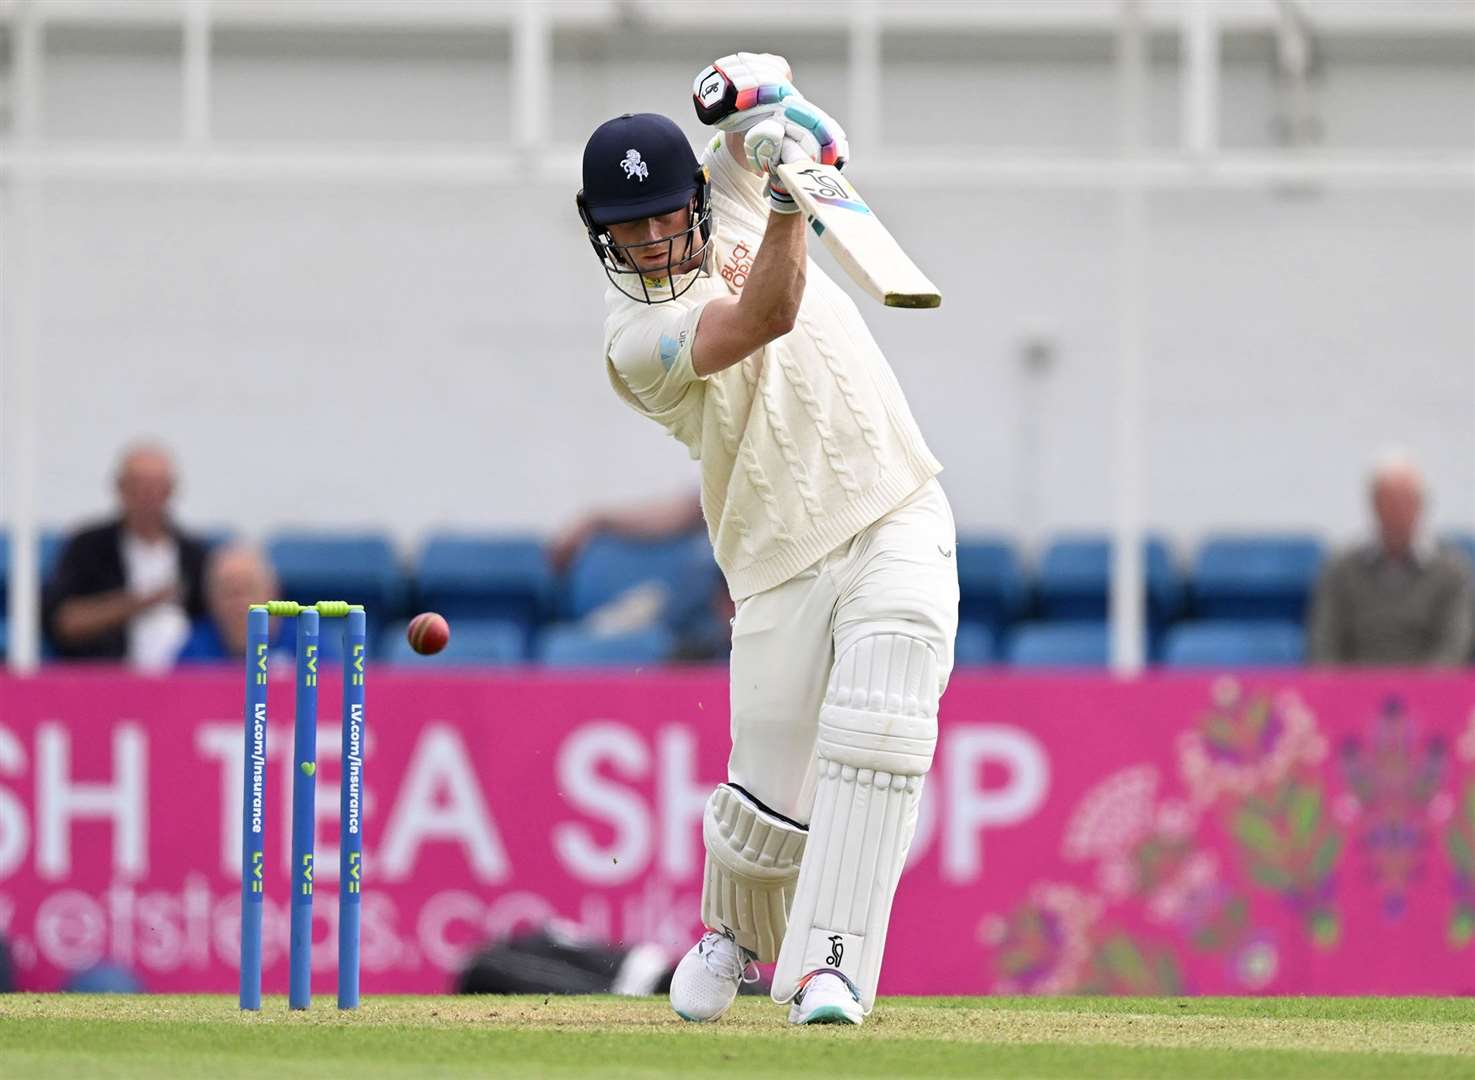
(547, 962)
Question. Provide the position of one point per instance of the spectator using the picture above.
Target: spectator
(236, 576)
(126, 589)
(658, 519)
(1399, 600)
(700, 611)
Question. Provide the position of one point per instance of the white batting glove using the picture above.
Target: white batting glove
(741, 89)
(766, 147)
(800, 132)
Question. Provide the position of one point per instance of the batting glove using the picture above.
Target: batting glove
(742, 89)
(801, 132)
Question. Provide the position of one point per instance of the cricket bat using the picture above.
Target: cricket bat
(856, 237)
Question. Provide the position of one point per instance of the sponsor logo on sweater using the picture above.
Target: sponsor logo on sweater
(738, 266)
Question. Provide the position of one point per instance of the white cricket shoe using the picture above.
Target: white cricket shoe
(708, 977)
(826, 996)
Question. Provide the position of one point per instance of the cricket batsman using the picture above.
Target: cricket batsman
(826, 518)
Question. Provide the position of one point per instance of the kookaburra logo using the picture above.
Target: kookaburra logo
(635, 169)
(837, 950)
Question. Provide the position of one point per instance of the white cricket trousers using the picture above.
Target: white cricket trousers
(899, 575)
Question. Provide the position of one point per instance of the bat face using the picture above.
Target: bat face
(855, 236)
(828, 188)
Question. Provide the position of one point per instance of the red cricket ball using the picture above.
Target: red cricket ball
(428, 633)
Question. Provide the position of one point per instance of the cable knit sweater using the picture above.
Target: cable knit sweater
(804, 443)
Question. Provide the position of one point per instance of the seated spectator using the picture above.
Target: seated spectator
(126, 589)
(659, 519)
(701, 614)
(1399, 600)
(236, 576)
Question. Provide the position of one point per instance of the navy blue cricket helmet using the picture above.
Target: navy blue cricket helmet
(636, 166)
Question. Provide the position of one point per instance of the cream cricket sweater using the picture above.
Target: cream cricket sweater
(804, 443)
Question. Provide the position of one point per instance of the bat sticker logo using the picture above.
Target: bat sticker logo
(634, 167)
(830, 191)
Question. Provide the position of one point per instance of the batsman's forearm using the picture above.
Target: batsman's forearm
(776, 285)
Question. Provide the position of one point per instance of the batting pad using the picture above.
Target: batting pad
(753, 861)
(877, 731)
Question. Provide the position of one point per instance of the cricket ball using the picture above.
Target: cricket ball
(428, 633)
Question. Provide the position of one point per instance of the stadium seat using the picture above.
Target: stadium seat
(51, 544)
(608, 565)
(217, 536)
(473, 641)
(4, 637)
(1059, 645)
(974, 646)
(571, 646)
(1075, 580)
(485, 577)
(358, 567)
(1463, 543)
(1266, 577)
(1235, 643)
(991, 586)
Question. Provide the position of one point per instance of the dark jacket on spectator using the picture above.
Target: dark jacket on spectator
(92, 563)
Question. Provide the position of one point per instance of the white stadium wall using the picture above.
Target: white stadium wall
(411, 356)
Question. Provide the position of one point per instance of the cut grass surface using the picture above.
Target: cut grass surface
(607, 1037)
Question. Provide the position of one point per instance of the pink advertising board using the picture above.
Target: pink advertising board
(1259, 834)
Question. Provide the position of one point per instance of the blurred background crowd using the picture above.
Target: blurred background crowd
(636, 584)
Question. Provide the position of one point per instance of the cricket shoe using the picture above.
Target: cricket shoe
(709, 977)
(826, 996)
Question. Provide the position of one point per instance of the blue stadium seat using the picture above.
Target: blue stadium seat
(608, 565)
(1235, 643)
(975, 644)
(4, 637)
(215, 537)
(1256, 577)
(358, 567)
(473, 641)
(485, 577)
(570, 646)
(1059, 645)
(991, 587)
(1075, 580)
(51, 543)
(1464, 543)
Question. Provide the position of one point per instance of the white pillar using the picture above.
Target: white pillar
(1128, 457)
(18, 242)
(863, 124)
(195, 68)
(531, 89)
(1200, 78)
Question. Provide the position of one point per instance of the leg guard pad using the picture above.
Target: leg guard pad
(753, 859)
(877, 733)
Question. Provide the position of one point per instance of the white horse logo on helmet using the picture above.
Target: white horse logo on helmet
(634, 167)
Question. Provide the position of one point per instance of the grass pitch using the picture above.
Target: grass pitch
(606, 1037)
